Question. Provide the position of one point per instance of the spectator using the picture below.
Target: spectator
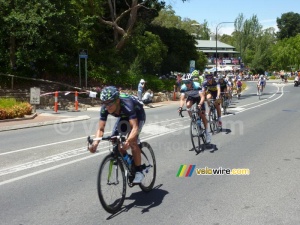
(141, 89)
(178, 81)
(147, 98)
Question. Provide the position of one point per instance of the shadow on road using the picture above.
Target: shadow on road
(144, 201)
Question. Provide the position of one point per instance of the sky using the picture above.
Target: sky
(217, 11)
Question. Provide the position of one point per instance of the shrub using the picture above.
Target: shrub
(10, 108)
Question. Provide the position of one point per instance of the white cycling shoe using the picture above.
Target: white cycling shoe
(139, 176)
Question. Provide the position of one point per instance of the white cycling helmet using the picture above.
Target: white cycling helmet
(187, 78)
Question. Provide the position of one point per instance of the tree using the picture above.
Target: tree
(286, 53)
(181, 48)
(168, 19)
(288, 25)
(37, 34)
(122, 16)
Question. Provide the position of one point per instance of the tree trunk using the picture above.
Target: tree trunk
(12, 51)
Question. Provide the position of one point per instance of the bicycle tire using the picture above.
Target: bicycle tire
(195, 133)
(115, 171)
(212, 120)
(148, 158)
(224, 106)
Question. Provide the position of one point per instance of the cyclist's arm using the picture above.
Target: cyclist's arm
(99, 133)
(219, 91)
(182, 97)
(202, 97)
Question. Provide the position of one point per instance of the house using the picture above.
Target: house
(227, 55)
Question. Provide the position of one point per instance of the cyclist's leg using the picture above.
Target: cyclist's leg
(121, 126)
(136, 152)
(189, 102)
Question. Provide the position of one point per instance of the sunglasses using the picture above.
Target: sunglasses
(209, 78)
(187, 82)
(108, 104)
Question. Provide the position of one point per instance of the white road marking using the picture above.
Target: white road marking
(152, 128)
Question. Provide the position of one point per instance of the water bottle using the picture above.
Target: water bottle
(128, 158)
(199, 122)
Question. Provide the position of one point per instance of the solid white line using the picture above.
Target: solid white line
(70, 140)
(147, 138)
(78, 160)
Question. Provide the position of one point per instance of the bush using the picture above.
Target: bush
(10, 108)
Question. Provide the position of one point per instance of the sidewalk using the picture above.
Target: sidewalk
(44, 119)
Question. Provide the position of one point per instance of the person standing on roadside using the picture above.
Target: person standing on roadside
(141, 89)
(178, 81)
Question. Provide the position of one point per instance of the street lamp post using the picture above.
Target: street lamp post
(217, 44)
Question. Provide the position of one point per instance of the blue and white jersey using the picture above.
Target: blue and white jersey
(193, 91)
(261, 81)
(195, 86)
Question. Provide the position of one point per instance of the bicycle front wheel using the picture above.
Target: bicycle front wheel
(212, 118)
(149, 167)
(111, 184)
(195, 136)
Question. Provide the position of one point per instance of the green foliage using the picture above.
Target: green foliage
(288, 25)
(181, 48)
(10, 108)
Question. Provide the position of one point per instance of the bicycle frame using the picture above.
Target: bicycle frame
(117, 142)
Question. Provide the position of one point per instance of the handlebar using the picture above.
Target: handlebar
(105, 138)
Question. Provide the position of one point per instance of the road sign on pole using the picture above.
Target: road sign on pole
(83, 54)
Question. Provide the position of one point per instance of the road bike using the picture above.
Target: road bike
(213, 117)
(197, 129)
(115, 172)
(225, 102)
(238, 92)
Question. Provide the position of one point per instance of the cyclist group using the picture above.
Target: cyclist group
(209, 88)
(131, 115)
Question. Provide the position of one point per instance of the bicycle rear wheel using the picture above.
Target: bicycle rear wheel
(111, 184)
(149, 167)
(224, 105)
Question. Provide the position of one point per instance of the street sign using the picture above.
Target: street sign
(35, 95)
(83, 53)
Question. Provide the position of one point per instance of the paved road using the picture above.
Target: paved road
(48, 177)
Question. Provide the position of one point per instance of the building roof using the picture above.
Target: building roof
(212, 44)
(208, 46)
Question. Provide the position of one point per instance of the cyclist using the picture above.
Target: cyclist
(261, 83)
(213, 90)
(223, 85)
(131, 118)
(229, 88)
(190, 85)
(239, 87)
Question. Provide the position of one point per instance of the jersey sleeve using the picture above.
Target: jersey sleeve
(103, 113)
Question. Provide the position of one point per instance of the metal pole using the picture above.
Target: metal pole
(217, 44)
(79, 73)
(217, 49)
(85, 73)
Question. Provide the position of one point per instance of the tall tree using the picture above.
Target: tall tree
(38, 34)
(288, 25)
(121, 16)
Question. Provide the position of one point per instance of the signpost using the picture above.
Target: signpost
(35, 97)
(83, 54)
(192, 65)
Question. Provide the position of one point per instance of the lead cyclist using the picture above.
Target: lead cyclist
(190, 85)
